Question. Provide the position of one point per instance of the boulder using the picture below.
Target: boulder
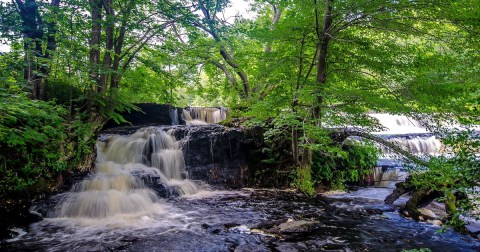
(427, 214)
(301, 226)
(213, 153)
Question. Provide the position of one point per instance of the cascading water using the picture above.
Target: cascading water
(112, 210)
(398, 124)
(202, 115)
(113, 188)
(409, 134)
(174, 116)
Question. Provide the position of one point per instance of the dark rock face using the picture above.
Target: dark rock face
(150, 114)
(214, 154)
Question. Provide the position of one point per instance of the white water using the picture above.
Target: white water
(401, 130)
(387, 178)
(202, 115)
(398, 124)
(114, 190)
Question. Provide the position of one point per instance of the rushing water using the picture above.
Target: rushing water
(227, 221)
(202, 115)
(114, 210)
(114, 190)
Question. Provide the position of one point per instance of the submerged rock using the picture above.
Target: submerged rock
(269, 224)
(301, 226)
(251, 248)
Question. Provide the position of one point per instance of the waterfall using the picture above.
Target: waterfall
(416, 145)
(387, 177)
(407, 133)
(113, 189)
(398, 124)
(202, 115)
(174, 116)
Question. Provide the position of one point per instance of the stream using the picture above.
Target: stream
(226, 220)
(140, 198)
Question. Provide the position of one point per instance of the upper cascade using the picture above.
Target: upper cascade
(398, 124)
(113, 188)
(204, 115)
(408, 133)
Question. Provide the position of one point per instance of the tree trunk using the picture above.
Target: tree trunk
(277, 13)
(322, 49)
(243, 76)
(33, 29)
(95, 36)
(107, 58)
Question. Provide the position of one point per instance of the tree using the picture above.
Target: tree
(39, 31)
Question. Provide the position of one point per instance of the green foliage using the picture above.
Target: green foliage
(337, 165)
(303, 181)
(31, 136)
(455, 174)
(417, 250)
(38, 142)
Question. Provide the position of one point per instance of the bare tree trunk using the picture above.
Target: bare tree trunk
(96, 32)
(210, 28)
(116, 76)
(295, 100)
(233, 63)
(95, 38)
(322, 48)
(34, 28)
(277, 12)
(105, 71)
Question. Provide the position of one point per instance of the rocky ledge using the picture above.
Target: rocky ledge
(213, 153)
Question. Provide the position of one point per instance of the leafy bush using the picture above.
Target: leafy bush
(337, 165)
(31, 137)
(304, 181)
(455, 176)
(37, 143)
(323, 160)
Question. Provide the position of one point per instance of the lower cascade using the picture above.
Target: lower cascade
(120, 207)
(116, 186)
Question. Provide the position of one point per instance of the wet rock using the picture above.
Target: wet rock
(230, 225)
(205, 226)
(268, 224)
(374, 211)
(251, 248)
(301, 226)
(427, 214)
(291, 247)
(435, 222)
(214, 154)
(473, 227)
(34, 217)
(150, 114)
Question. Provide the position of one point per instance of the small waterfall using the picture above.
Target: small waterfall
(113, 189)
(202, 115)
(398, 124)
(174, 116)
(407, 133)
(387, 177)
(416, 145)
